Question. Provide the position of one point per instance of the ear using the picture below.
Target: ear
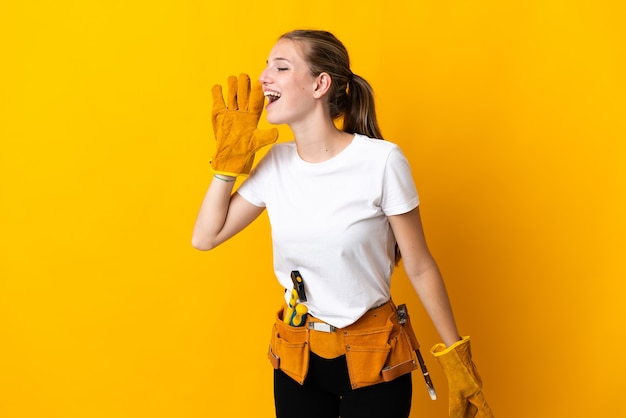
(322, 85)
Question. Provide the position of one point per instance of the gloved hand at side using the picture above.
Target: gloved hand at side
(466, 398)
(235, 126)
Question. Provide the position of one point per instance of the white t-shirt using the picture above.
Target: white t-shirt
(329, 222)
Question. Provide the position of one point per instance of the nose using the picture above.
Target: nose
(264, 78)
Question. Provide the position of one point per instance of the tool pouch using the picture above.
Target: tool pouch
(367, 351)
(403, 358)
(378, 348)
(289, 348)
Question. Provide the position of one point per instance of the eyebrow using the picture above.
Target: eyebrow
(277, 59)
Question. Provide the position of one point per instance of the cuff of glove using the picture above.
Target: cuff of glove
(228, 173)
(440, 349)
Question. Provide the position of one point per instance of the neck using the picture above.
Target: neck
(319, 148)
(317, 142)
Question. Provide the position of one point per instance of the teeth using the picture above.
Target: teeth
(271, 93)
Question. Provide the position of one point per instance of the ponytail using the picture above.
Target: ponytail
(360, 114)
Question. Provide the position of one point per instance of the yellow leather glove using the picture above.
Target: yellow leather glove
(466, 398)
(235, 126)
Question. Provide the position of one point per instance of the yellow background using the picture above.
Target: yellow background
(511, 114)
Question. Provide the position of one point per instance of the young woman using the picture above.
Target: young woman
(343, 209)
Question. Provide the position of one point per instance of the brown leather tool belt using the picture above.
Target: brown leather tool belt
(377, 347)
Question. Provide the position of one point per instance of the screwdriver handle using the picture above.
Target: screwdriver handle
(299, 315)
(289, 313)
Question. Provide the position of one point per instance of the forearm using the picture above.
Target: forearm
(222, 213)
(432, 292)
(212, 214)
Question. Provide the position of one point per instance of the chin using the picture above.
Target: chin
(274, 120)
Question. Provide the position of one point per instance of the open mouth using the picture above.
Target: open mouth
(272, 96)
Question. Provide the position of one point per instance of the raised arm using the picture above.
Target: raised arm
(222, 213)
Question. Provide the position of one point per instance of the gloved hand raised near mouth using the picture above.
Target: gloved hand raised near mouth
(466, 398)
(235, 126)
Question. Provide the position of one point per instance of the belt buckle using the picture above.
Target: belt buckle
(321, 326)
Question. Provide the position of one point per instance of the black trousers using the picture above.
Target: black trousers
(326, 393)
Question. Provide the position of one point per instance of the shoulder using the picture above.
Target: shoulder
(381, 149)
(376, 145)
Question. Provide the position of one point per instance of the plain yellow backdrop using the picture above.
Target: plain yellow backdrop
(512, 116)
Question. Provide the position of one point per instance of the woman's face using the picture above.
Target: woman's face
(287, 84)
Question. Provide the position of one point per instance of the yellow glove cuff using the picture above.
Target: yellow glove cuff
(440, 349)
(227, 173)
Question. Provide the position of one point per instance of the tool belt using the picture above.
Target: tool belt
(377, 347)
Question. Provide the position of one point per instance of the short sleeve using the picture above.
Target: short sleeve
(399, 192)
(251, 189)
